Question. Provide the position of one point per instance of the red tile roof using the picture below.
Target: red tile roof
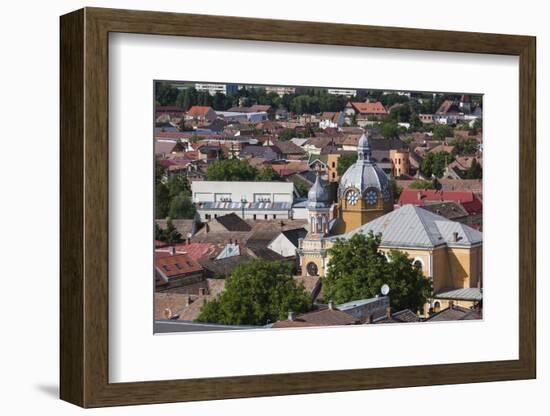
(198, 110)
(195, 251)
(467, 199)
(370, 108)
(176, 265)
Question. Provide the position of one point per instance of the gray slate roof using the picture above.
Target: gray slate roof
(412, 226)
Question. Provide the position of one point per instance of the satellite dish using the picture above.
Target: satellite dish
(385, 289)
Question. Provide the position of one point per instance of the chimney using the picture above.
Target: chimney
(455, 236)
(167, 313)
(331, 305)
(388, 312)
(291, 316)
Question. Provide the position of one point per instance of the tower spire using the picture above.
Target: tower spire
(363, 148)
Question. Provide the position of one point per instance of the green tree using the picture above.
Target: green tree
(267, 174)
(231, 170)
(389, 129)
(475, 171)
(477, 126)
(393, 98)
(178, 184)
(396, 190)
(159, 171)
(435, 164)
(401, 114)
(441, 131)
(465, 147)
(421, 185)
(301, 186)
(162, 200)
(345, 161)
(287, 134)
(257, 293)
(182, 207)
(171, 235)
(416, 123)
(158, 232)
(165, 93)
(357, 269)
(408, 286)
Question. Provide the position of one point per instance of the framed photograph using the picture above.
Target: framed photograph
(254, 207)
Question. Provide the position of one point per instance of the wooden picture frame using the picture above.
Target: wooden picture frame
(84, 207)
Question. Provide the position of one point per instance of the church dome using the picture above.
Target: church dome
(319, 195)
(365, 174)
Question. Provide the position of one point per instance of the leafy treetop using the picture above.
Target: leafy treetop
(257, 293)
(357, 269)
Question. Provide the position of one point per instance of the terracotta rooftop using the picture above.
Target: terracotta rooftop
(176, 265)
(467, 199)
(370, 108)
(198, 111)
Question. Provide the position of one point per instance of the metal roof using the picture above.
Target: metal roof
(231, 206)
(365, 173)
(412, 226)
(467, 293)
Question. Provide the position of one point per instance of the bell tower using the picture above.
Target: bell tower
(364, 191)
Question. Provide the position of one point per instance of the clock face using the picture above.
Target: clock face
(371, 197)
(352, 197)
(312, 269)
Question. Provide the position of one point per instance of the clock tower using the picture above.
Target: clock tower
(364, 192)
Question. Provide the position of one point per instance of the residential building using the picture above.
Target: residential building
(361, 112)
(330, 316)
(175, 270)
(211, 88)
(249, 200)
(200, 115)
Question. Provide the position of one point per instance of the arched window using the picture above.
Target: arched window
(419, 264)
(437, 307)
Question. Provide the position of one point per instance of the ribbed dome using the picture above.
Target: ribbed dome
(364, 173)
(319, 195)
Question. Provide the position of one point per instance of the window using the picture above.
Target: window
(418, 263)
(274, 216)
(333, 175)
(333, 164)
(265, 217)
(254, 216)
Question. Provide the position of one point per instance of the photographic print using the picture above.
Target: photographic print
(297, 206)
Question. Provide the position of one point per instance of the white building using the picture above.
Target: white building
(342, 91)
(212, 89)
(236, 116)
(249, 200)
